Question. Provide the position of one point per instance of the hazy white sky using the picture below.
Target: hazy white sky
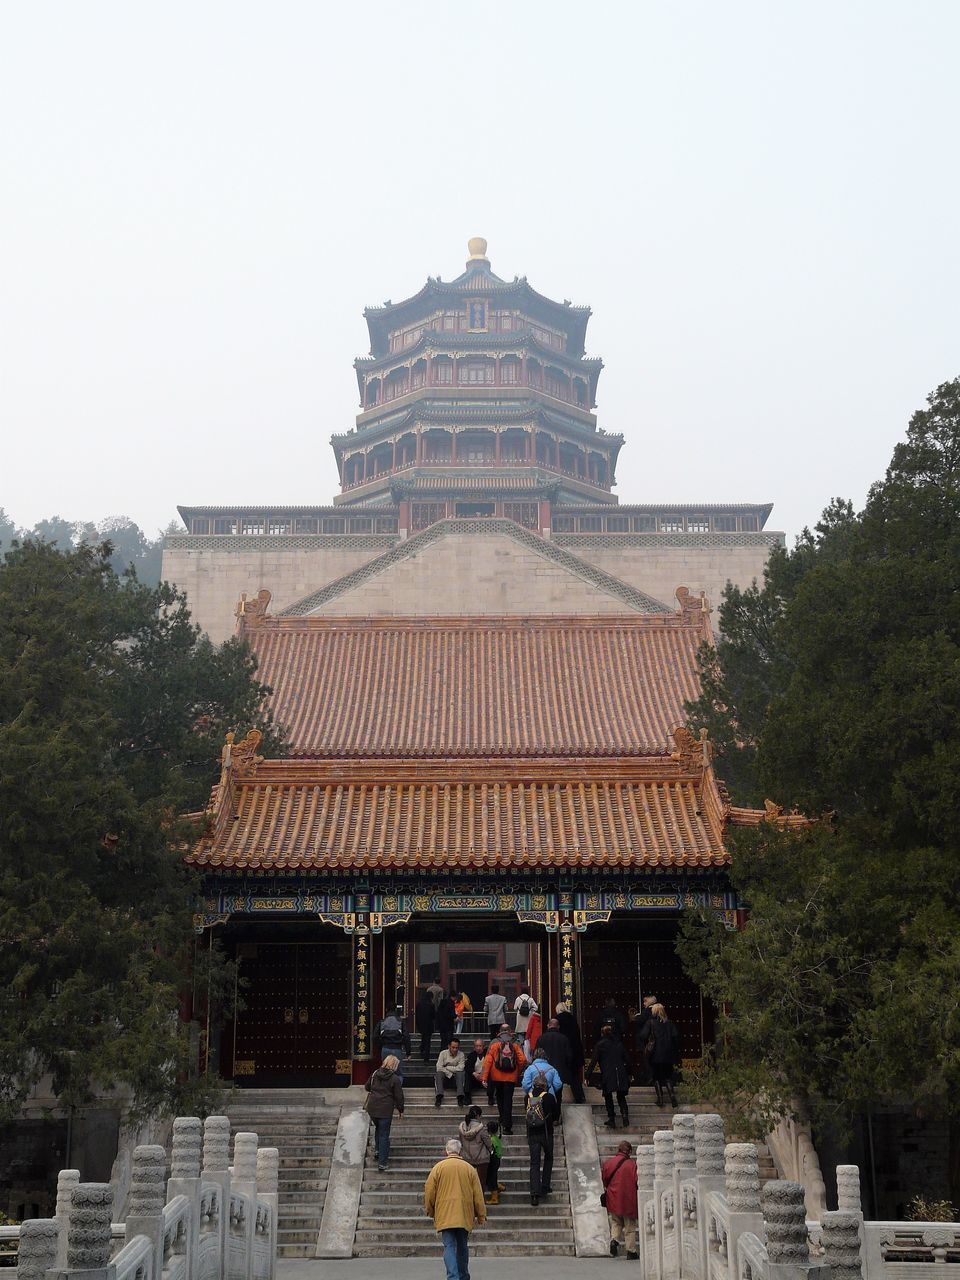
(758, 200)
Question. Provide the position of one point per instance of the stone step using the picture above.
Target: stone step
(533, 1247)
(514, 1237)
(413, 1198)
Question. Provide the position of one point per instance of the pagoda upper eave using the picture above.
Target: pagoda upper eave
(434, 341)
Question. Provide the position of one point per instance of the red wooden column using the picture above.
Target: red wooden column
(496, 447)
(365, 455)
(453, 446)
(419, 446)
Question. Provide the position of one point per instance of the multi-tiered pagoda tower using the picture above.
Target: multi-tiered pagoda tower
(477, 400)
(476, 407)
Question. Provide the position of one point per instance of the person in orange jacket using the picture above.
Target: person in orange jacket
(504, 1066)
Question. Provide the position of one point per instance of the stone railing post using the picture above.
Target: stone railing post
(848, 1189)
(842, 1235)
(684, 1171)
(184, 1179)
(89, 1238)
(742, 1189)
(38, 1248)
(244, 1182)
(148, 1184)
(646, 1212)
(216, 1168)
(268, 1182)
(668, 1267)
(67, 1179)
(708, 1149)
(785, 1226)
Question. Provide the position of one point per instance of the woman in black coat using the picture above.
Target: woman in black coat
(665, 1055)
(570, 1028)
(611, 1057)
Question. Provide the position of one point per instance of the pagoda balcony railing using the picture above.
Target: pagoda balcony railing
(429, 461)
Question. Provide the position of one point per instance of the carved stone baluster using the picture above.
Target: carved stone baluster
(848, 1189)
(841, 1244)
(185, 1180)
(89, 1240)
(148, 1184)
(38, 1248)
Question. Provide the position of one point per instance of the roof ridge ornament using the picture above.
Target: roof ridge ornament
(693, 609)
(477, 248)
(250, 612)
(691, 752)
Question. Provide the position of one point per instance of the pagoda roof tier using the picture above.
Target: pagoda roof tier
(512, 342)
(513, 412)
(277, 509)
(479, 687)
(493, 480)
(480, 282)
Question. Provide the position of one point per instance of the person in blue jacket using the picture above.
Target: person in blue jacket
(539, 1069)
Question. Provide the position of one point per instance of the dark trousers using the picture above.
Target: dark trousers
(504, 1094)
(576, 1084)
(621, 1099)
(425, 1038)
(540, 1142)
(493, 1169)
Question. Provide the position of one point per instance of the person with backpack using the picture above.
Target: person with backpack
(391, 1037)
(476, 1145)
(523, 1007)
(495, 1008)
(503, 1066)
(611, 1058)
(385, 1088)
(540, 1069)
(541, 1113)
(619, 1175)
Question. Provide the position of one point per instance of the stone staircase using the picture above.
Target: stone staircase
(303, 1129)
(391, 1220)
(645, 1117)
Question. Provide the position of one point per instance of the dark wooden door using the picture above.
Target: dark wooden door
(294, 1028)
(627, 971)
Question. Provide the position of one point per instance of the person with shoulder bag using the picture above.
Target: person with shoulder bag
(619, 1198)
(541, 1113)
(384, 1097)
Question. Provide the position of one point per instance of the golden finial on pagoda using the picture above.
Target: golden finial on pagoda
(478, 249)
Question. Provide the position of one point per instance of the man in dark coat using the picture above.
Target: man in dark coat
(392, 1037)
(570, 1028)
(424, 1017)
(556, 1050)
(612, 1015)
(611, 1057)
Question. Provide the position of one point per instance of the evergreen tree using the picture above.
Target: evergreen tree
(112, 711)
(836, 687)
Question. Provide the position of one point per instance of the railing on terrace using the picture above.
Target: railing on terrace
(215, 1222)
(703, 1215)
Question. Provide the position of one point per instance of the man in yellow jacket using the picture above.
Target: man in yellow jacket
(453, 1198)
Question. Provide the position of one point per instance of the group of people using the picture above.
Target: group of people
(439, 1010)
(657, 1043)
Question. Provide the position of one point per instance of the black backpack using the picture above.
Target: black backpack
(537, 1111)
(524, 1009)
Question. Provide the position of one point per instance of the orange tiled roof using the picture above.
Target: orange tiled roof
(341, 824)
(461, 687)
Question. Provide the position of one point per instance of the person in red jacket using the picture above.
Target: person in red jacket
(619, 1175)
(503, 1067)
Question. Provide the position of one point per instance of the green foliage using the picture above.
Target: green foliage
(130, 548)
(836, 687)
(112, 712)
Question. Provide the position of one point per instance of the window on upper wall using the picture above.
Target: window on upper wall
(562, 524)
(443, 371)
(618, 524)
(200, 524)
(698, 524)
(671, 524)
(250, 524)
(591, 524)
(305, 524)
(750, 523)
(725, 524)
(510, 371)
(278, 526)
(645, 524)
(225, 525)
(333, 524)
(472, 372)
(449, 321)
